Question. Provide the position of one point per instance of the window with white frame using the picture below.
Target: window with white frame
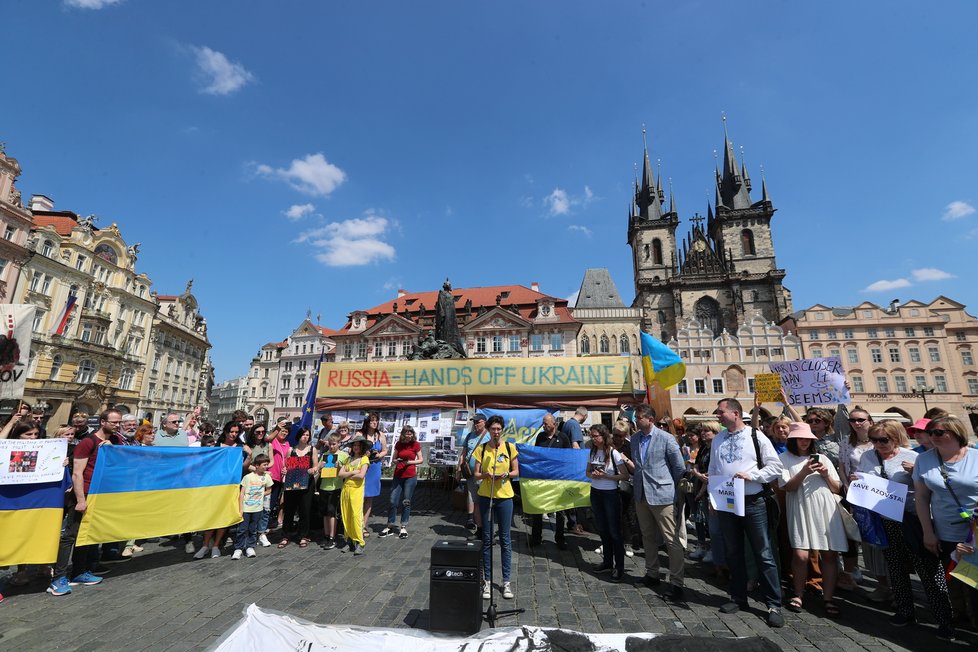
(86, 372)
(857, 384)
(750, 385)
(852, 355)
(909, 331)
(585, 344)
(928, 331)
(536, 342)
(361, 350)
(889, 332)
(894, 354)
(900, 381)
(816, 352)
(934, 354)
(497, 343)
(623, 344)
(718, 385)
(699, 386)
(514, 343)
(481, 344)
(604, 345)
(126, 378)
(682, 387)
(973, 385)
(876, 354)
(832, 334)
(834, 353)
(47, 248)
(967, 359)
(940, 383)
(56, 363)
(872, 332)
(914, 353)
(919, 381)
(392, 348)
(556, 342)
(849, 333)
(883, 384)
(38, 324)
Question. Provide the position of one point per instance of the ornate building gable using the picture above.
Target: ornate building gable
(496, 319)
(393, 325)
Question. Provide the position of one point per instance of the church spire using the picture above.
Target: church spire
(672, 198)
(647, 197)
(764, 196)
(733, 189)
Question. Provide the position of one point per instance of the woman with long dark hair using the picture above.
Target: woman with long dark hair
(606, 468)
(300, 466)
(377, 443)
(407, 458)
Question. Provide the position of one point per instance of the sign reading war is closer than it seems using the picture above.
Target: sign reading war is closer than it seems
(813, 381)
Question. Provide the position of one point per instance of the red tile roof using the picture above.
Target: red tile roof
(167, 297)
(62, 221)
(522, 297)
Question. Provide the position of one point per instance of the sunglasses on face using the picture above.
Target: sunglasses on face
(939, 432)
(858, 420)
(880, 440)
(813, 420)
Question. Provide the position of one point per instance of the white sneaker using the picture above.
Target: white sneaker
(215, 552)
(690, 526)
(250, 552)
(486, 590)
(629, 552)
(708, 557)
(189, 548)
(857, 575)
(697, 554)
(507, 591)
(202, 552)
(599, 551)
(236, 555)
(263, 540)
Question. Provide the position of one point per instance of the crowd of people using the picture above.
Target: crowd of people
(649, 489)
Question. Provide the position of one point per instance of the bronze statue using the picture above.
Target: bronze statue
(446, 343)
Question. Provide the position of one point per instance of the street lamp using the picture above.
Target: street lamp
(922, 391)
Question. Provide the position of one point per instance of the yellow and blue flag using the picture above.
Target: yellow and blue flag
(30, 520)
(553, 479)
(144, 492)
(660, 363)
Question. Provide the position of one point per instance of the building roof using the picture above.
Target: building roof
(62, 221)
(598, 290)
(167, 297)
(469, 303)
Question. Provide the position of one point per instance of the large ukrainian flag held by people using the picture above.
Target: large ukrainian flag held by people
(144, 492)
(660, 363)
(553, 479)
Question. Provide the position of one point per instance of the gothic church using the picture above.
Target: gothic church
(722, 272)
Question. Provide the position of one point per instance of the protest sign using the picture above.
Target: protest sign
(727, 494)
(813, 381)
(15, 346)
(29, 461)
(768, 387)
(885, 497)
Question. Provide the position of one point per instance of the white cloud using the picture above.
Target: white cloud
(580, 229)
(884, 286)
(572, 299)
(393, 283)
(357, 241)
(312, 175)
(90, 4)
(220, 75)
(930, 274)
(298, 211)
(957, 210)
(560, 202)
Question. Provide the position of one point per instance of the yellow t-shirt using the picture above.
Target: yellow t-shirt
(496, 461)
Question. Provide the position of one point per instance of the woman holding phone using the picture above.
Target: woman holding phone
(606, 468)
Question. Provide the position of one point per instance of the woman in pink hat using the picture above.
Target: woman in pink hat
(918, 432)
(814, 524)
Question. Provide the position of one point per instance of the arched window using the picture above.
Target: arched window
(657, 251)
(86, 372)
(125, 379)
(623, 344)
(604, 345)
(747, 242)
(585, 344)
(47, 248)
(56, 363)
(707, 312)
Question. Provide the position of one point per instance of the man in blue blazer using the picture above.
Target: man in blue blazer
(658, 468)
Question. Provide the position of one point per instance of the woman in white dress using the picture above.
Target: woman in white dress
(811, 482)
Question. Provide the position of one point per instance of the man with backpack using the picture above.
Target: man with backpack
(466, 469)
(549, 437)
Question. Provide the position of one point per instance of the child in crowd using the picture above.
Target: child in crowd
(353, 473)
(254, 487)
(330, 487)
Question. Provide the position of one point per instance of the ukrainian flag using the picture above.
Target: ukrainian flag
(30, 520)
(661, 363)
(144, 492)
(553, 479)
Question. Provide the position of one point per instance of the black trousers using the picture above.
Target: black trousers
(536, 528)
(298, 501)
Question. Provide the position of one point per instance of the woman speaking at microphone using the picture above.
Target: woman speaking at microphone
(495, 466)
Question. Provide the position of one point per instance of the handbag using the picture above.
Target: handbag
(870, 526)
(848, 522)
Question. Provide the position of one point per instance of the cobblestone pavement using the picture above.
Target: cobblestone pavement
(162, 600)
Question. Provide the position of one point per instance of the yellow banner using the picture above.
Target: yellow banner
(478, 376)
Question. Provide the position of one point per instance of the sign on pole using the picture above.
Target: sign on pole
(813, 381)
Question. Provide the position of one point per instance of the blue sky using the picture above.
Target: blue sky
(306, 154)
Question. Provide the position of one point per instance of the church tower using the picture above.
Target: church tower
(652, 237)
(722, 272)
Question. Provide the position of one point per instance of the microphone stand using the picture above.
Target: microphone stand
(491, 612)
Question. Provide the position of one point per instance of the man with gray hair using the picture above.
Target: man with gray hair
(170, 432)
(128, 429)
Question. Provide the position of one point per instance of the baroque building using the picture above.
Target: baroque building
(93, 318)
(179, 375)
(720, 272)
(297, 365)
(263, 381)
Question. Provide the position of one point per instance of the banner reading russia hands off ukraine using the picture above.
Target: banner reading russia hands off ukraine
(481, 376)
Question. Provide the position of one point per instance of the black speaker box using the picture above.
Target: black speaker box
(455, 593)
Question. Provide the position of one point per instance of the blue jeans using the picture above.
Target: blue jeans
(502, 518)
(249, 531)
(754, 525)
(402, 490)
(606, 506)
(716, 541)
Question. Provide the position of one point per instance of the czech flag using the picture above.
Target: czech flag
(660, 363)
(30, 519)
(553, 479)
(144, 492)
(58, 328)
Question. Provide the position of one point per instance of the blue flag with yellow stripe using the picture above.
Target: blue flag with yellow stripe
(660, 363)
(144, 492)
(553, 479)
(30, 520)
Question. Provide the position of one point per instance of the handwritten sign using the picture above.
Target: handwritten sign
(28, 461)
(768, 387)
(813, 381)
(885, 497)
(478, 376)
(727, 494)
(15, 330)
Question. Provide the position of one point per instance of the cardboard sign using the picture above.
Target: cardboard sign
(813, 381)
(727, 494)
(768, 387)
(29, 461)
(885, 497)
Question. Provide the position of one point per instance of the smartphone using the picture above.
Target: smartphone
(813, 458)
